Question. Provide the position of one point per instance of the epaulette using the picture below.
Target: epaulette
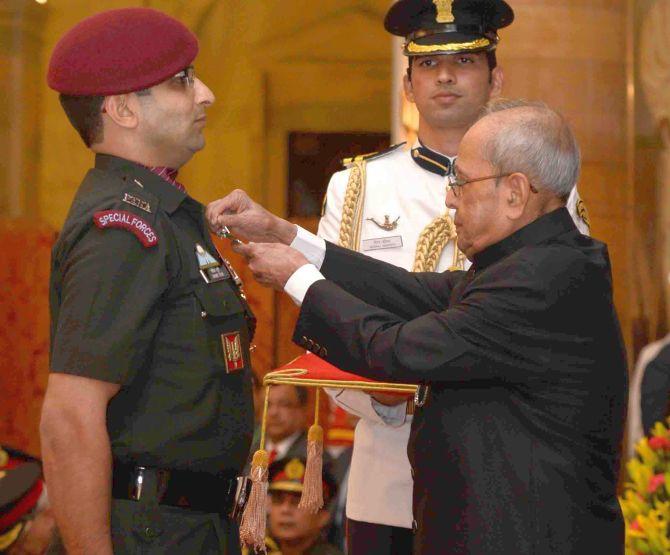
(346, 162)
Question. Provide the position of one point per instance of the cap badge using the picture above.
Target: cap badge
(294, 469)
(444, 13)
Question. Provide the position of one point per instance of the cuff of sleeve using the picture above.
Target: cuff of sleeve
(300, 281)
(311, 246)
(391, 415)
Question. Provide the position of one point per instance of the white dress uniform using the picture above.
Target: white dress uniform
(403, 192)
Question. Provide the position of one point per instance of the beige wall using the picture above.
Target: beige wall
(21, 26)
(574, 55)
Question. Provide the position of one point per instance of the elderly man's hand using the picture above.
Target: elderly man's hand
(271, 263)
(248, 220)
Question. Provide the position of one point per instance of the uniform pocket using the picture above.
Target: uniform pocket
(226, 328)
(218, 299)
(162, 530)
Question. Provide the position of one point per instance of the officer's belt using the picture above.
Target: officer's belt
(198, 491)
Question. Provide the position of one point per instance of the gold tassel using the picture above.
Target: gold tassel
(254, 518)
(312, 487)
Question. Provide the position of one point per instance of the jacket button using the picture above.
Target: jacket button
(323, 351)
(203, 314)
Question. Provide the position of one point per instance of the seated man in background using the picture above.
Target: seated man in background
(26, 522)
(285, 427)
(296, 531)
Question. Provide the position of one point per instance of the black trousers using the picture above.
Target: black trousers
(365, 538)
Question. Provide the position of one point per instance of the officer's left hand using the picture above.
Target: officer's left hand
(271, 263)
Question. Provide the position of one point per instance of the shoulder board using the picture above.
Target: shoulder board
(371, 156)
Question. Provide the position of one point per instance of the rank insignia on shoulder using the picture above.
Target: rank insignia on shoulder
(211, 269)
(122, 219)
(583, 213)
(370, 156)
(232, 351)
(135, 201)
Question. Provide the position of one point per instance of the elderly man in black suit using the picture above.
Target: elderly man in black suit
(515, 446)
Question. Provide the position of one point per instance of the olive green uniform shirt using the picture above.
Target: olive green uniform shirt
(130, 306)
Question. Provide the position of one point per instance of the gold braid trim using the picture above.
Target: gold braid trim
(352, 209)
(413, 48)
(434, 237)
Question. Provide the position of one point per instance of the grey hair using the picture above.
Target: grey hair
(538, 143)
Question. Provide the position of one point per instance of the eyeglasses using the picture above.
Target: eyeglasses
(455, 183)
(186, 76)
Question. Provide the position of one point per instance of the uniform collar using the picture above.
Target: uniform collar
(169, 196)
(282, 446)
(168, 174)
(432, 161)
(545, 227)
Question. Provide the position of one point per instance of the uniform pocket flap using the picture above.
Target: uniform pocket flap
(217, 299)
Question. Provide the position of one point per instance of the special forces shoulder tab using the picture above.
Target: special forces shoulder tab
(347, 162)
(123, 219)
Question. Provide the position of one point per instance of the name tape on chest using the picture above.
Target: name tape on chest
(379, 243)
(210, 269)
(121, 219)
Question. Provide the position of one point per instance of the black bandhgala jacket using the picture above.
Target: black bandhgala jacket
(517, 447)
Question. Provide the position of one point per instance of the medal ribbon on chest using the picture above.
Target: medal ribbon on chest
(211, 269)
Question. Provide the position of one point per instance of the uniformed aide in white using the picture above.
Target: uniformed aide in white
(390, 206)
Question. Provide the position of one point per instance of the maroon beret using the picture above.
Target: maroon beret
(120, 51)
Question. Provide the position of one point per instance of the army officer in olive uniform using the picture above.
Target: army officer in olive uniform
(148, 414)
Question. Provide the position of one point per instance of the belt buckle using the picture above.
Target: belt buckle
(138, 483)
